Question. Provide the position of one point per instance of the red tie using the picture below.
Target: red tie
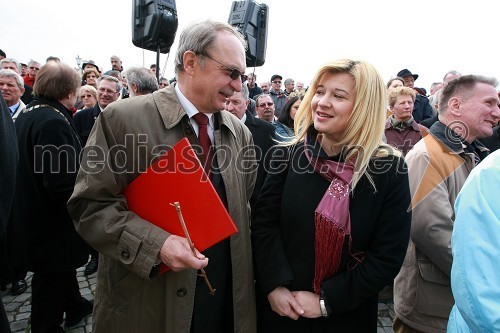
(205, 143)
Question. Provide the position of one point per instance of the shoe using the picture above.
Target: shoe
(18, 287)
(91, 267)
(73, 320)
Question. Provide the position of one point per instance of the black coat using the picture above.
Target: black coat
(492, 142)
(84, 121)
(263, 134)
(10, 157)
(44, 237)
(283, 242)
(422, 109)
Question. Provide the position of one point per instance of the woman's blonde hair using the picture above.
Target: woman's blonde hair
(362, 137)
(90, 89)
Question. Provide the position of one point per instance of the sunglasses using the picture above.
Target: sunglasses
(86, 96)
(277, 82)
(234, 73)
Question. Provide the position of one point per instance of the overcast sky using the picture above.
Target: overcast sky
(427, 37)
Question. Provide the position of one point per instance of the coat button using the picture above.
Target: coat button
(181, 292)
(125, 254)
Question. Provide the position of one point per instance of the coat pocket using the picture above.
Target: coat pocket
(433, 296)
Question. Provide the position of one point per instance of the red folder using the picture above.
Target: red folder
(178, 176)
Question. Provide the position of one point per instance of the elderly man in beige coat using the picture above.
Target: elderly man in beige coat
(130, 295)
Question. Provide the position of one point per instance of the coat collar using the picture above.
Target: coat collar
(171, 111)
(250, 119)
(452, 140)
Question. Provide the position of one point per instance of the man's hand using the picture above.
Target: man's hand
(309, 302)
(176, 254)
(283, 303)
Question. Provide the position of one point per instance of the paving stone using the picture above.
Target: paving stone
(24, 315)
(386, 322)
(18, 325)
(86, 292)
(23, 297)
(25, 308)
(9, 307)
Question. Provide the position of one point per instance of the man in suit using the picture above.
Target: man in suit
(263, 134)
(108, 91)
(131, 294)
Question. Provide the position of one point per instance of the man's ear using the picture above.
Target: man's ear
(189, 61)
(134, 88)
(454, 106)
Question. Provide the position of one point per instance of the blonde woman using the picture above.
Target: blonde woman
(332, 225)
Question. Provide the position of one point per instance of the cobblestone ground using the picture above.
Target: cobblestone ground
(18, 308)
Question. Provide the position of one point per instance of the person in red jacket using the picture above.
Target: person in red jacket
(33, 68)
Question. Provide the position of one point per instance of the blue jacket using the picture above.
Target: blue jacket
(475, 245)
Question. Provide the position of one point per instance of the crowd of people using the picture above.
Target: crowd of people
(338, 190)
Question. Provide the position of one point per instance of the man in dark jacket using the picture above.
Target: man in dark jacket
(263, 134)
(108, 91)
(278, 95)
(422, 109)
(8, 149)
(44, 238)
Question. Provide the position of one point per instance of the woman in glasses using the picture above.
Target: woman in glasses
(88, 96)
(331, 226)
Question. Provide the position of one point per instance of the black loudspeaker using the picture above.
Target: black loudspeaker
(154, 24)
(251, 18)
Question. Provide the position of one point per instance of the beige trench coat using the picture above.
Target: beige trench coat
(129, 298)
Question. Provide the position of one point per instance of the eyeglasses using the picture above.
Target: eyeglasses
(86, 96)
(263, 105)
(234, 72)
(34, 68)
(107, 91)
(277, 82)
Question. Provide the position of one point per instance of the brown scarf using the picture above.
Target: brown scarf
(331, 218)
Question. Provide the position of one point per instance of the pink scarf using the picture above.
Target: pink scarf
(331, 218)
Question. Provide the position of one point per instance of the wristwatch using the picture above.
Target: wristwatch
(322, 306)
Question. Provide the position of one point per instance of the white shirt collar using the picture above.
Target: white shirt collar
(191, 110)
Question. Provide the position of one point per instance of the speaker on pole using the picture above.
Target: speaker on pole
(154, 24)
(251, 19)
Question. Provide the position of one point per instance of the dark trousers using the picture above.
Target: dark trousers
(53, 294)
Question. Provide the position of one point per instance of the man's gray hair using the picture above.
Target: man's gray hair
(18, 65)
(143, 78)
(244, 91)
(111, 79)
(199, 37)
(12, 74)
